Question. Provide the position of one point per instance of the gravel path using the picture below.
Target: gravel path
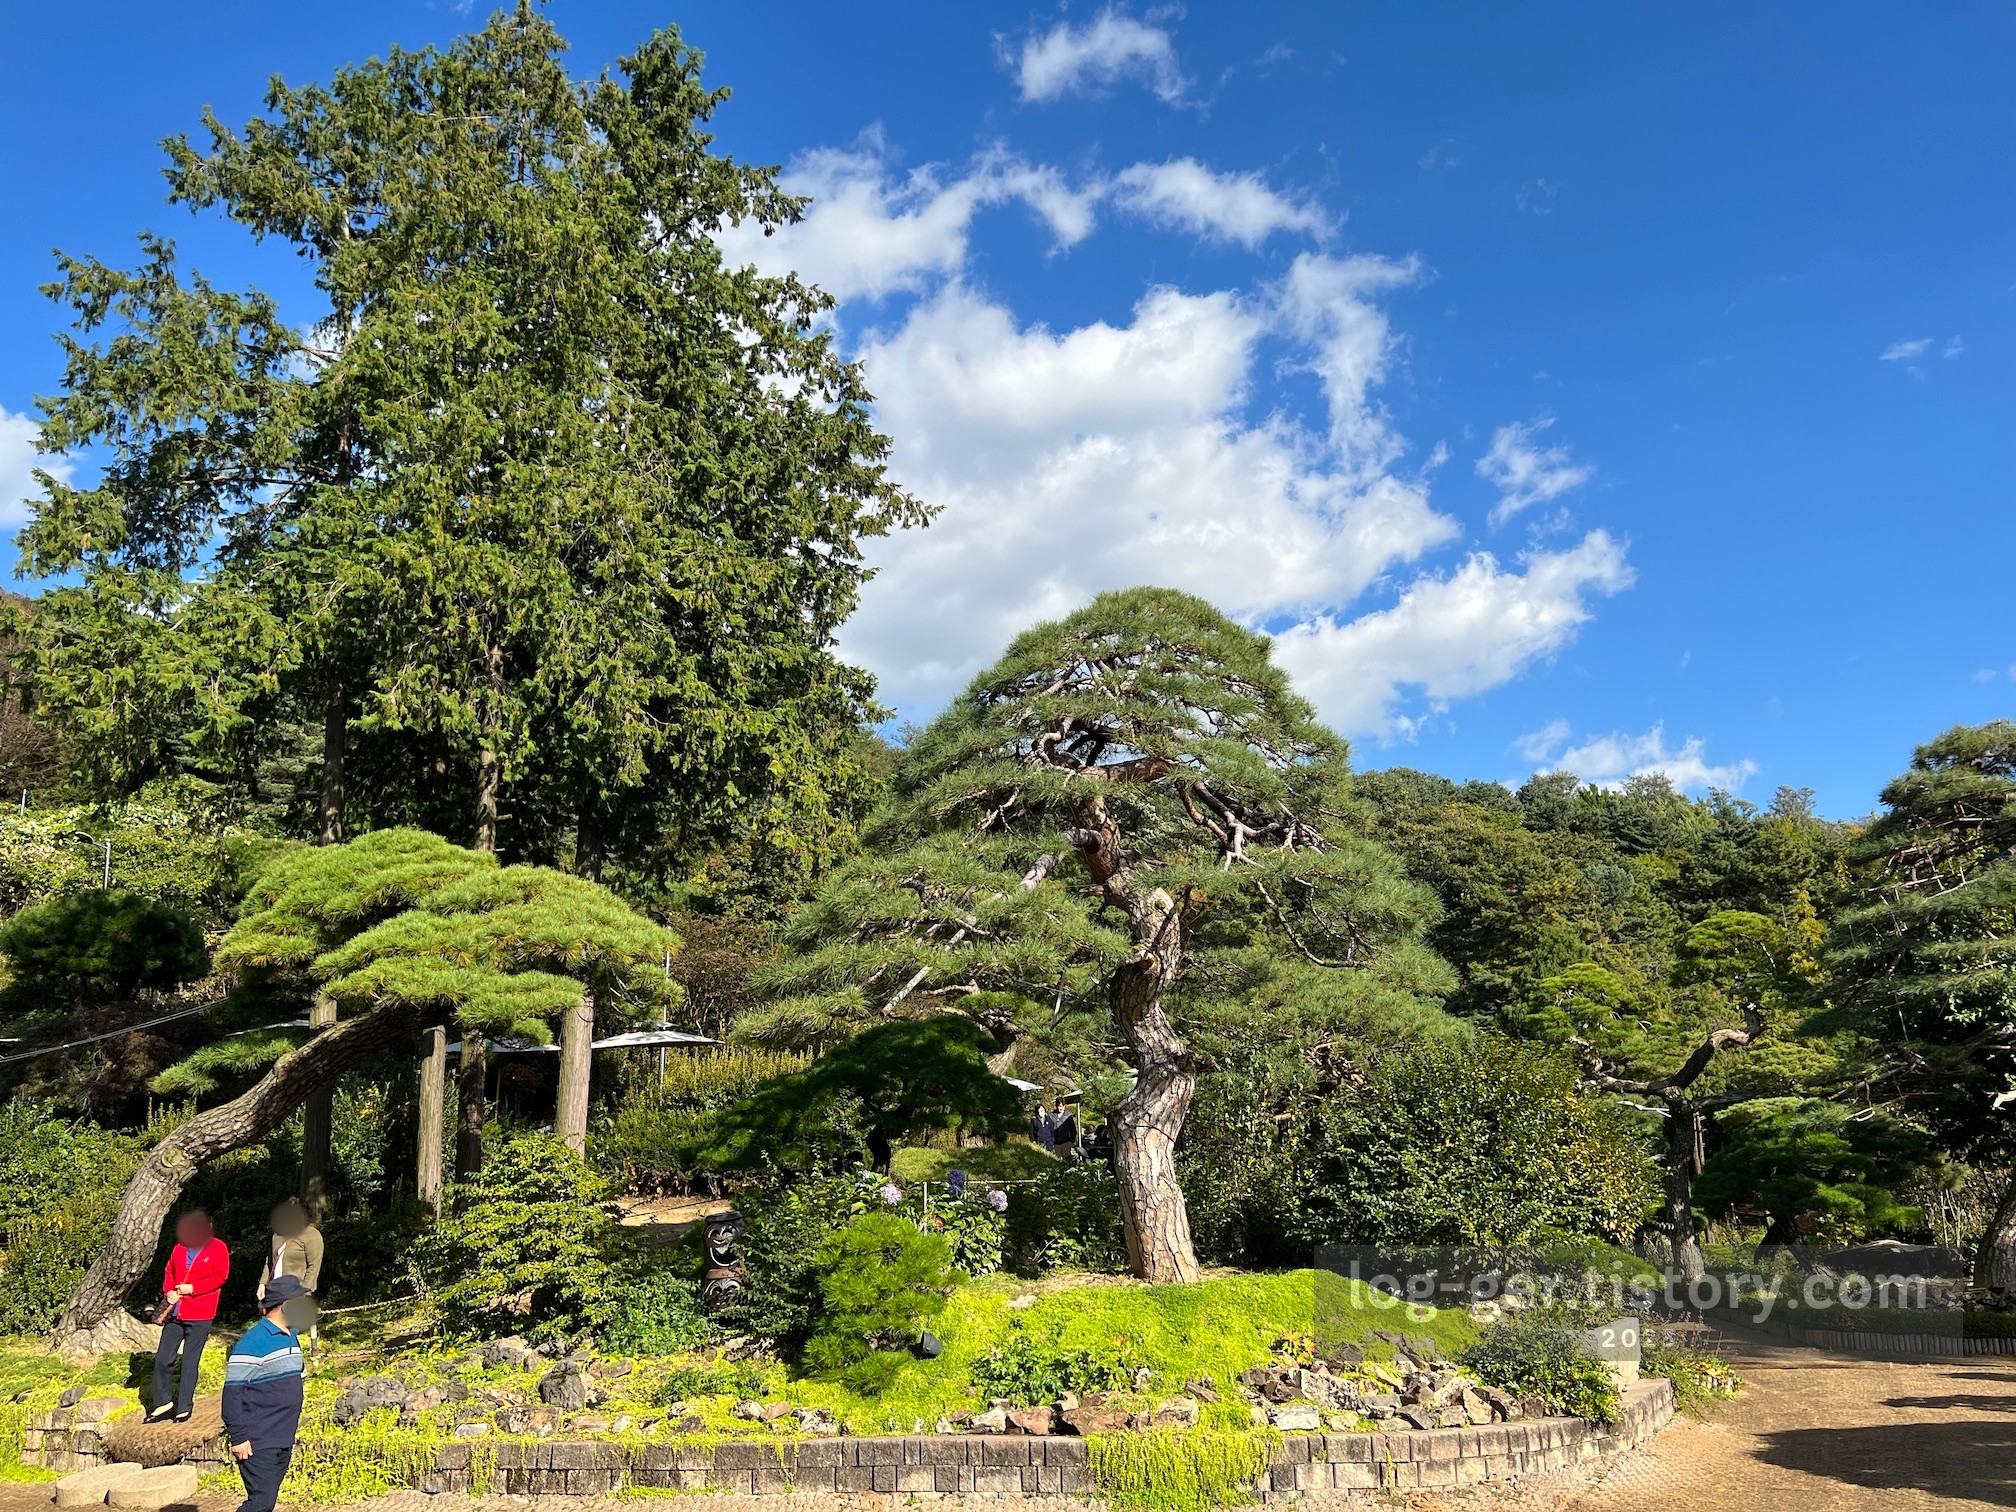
(1813, 1433)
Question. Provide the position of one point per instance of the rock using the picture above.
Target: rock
(751, 1411)
(1258, 1414)
(993, 1420)
(1477, 1409)
(687, 1424)
(565, 1386)
(87, 1488)
(513, 1353)
(817, 1420)
(1451, 1417)
(1204, 1391)
(1414, 1417)
(528, 1422)
(1067, 1402)
(1027, 1299)
(610, 1370)
(1346, 1357)
(472, 1430)
(1340, 1422)
(946, 1426)
(1090, 1417)
(1502, 1403)
(1175, 1412)
(150, 1490)
(1033, 1420)
(1385, 1375)
(1142, 1376)
(1296, 1417)
(92, 1411)
(1281, 1387)
(1422, 1347)
(364, 1397)
(1376, 1402)
(1256, 1378)
(587, 1422)
(72, 1396)
(772, 1411)
(623, 1423)
(1326, 1390)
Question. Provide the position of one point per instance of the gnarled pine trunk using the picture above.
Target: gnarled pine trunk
(1149, 1118)
(1995, 1259)
(1683, 1145)
(88, 1322)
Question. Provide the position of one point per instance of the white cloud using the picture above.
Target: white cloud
(1071, 59)
(870, 233)
(1525, 473)
(1953, 348)
(1155, 446)
(1102, 457)
(1450, 637)
(18, 461)
(1904, 351)
(1611, 760)
(1238, 207)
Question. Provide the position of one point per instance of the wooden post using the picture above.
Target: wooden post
(570, 1110)
(315, 1116)
(433, 1105)
(469, 1092)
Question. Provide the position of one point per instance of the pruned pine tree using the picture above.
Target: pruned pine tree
(1739, 974)
(1131, 803)
(1928, 946)
(401, 931)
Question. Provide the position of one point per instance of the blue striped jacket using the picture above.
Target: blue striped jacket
(262, 1387)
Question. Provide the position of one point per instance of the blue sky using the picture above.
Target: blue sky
(1567, 385)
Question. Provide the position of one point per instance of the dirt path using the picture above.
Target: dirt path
(1819, 1433)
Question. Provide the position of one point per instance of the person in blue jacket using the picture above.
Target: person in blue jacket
(262, 1397)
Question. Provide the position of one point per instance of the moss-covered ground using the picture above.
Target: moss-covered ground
(1208, 1332)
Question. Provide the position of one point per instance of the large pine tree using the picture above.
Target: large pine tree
(1129, 819)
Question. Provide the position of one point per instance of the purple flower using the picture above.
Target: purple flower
(997, 1200)
(892, 1194)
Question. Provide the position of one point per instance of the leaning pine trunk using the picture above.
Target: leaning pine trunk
(94, 1319)
(1146, 1124)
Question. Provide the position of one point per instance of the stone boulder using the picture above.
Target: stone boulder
(1033, 1420)
(151, 1490)
(87, 1488)
(365, 1396)
(565, 1386)
(513, 1353)
(1296, 1417)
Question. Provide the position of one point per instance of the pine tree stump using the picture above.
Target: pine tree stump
(165, 1443)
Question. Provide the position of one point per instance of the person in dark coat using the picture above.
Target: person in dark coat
(262, 1397)
(1040, 1129)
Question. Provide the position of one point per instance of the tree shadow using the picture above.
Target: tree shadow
(1969, 1461)
(1959, 1402)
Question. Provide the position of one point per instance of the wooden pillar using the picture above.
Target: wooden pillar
(315, 1116)
(570, 1110)
(469, 1091)
(433, 1106)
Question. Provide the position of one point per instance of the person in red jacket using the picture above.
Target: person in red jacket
(197, 1268)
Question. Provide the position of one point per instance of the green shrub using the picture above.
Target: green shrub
(655, 1312)
(649, 1143)
(1069, 1219)
(1028, 1368)
(525, 1247)
(1536, 1353)
(788, 1226)
(89, 947)
(1700, 1379)
(882, 1279)
(737, 1378)
(60, 1184)
(970, 1223)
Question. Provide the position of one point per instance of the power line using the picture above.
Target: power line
(109, 1034)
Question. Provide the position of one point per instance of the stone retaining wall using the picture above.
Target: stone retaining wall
(974, 1464)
